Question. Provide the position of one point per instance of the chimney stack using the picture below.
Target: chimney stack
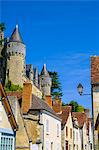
(26, 96)
(57, 105)
(48, 100)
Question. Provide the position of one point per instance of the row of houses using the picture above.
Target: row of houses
(29, 119)
(31, 123)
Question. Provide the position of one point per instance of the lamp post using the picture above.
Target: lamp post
(80, 91)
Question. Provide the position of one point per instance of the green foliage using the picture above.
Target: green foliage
(2, 26)
(11, 87)
(56, 89)
(63, 104)
(80, 108)
(76, 107)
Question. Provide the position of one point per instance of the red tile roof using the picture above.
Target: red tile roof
(65, 114)
(81, 117)
(95, 69)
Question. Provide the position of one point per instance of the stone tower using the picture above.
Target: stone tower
(15, 58)
(2, 60)
(45, 81)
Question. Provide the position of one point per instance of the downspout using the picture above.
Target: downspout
(40, 123)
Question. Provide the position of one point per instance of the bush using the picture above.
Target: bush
(11, 87)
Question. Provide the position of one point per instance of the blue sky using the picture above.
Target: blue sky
(62, 34)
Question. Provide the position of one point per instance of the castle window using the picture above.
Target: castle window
(8, 72)
(8, 45)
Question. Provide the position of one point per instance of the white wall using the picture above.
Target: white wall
(51, 136)
(69, 124)
(77, 139)
(85, 137)
(4, 122)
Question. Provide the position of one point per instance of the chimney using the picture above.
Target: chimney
(57, 105)
(26, 96)
(48, 100)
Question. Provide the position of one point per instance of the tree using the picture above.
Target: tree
(56, 89)
(2, 26)
(80, 108)
(76, 107)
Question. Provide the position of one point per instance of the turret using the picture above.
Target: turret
(15, 58)
(36, 77)
(29, 71)
(45, 81)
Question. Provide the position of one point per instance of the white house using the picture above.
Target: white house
(82, 122)
(42, 123)
(77, 141)
(67, 128)
(8, 125)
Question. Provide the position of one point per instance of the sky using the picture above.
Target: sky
(62, 34)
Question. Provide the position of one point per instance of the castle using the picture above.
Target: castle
(13, 66)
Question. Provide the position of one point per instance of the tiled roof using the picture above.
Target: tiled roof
(95, 69)
(18, 94)
(16, 37)
(44, 71)
(8, 108)
(65, 114)
(81, 117)
(40, 104)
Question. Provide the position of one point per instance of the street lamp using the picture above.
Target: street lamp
(80, 88)
(80, 91)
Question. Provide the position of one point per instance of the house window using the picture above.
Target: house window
(70, 147)
(77, 136)
(74, 134)
(47, 126)
(51, 145)
(66, 131)
(57, 130)
(70, 133)
(66, 145)
(47, 145)
(77, 147)
(7, 142)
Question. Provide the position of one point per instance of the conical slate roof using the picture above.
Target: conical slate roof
(44, 71)
(16, 37)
